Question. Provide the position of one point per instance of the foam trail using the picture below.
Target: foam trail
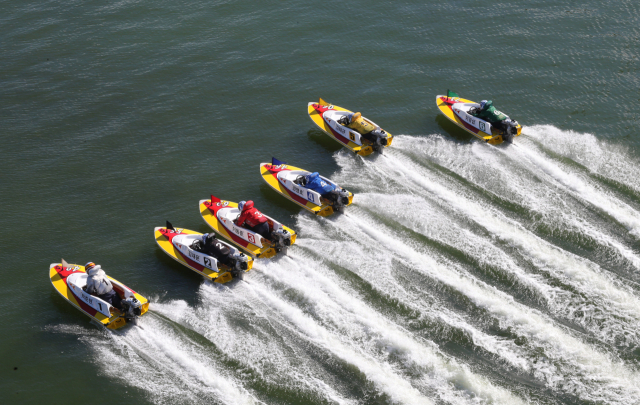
(374, 264)
(265, 349)
(328, 332)
(495, 170)
(605, 159)
(352, 317)
(617, 209)
(585, 275)
(580, 364)
(171, 368)
(600, 322)
(381, 374)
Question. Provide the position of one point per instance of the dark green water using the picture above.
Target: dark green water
(463, 273)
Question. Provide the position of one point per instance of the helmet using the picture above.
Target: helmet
(241, 205)
(482, 104)
(203, 238)
(355, 116)
(89, 266)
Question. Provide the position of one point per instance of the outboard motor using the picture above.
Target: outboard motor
(510, 130)
(131, 308)
(344, 197)
(241, 261)
(379, 139)
(282, 239)
(240, 265)
(339, 198)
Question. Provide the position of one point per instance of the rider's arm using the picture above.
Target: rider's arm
(243, 217)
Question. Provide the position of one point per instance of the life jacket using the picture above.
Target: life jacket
(97, 282)
(251, 216)
(319, 185)
(360, 124)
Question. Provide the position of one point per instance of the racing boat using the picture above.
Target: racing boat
(290, 182)
(183, 246)
(69, 280)
(458, 110)
(331, 120)
(221, 215)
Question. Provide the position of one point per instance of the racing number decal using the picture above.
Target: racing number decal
(352, 136)
(309, 195)
(252, 238)
(481, 125)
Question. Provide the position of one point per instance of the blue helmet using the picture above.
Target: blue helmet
(241, 205)
(482, 104)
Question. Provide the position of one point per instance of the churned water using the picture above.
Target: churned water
(462, 274)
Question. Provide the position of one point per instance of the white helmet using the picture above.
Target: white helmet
(482, 104)
(241, 205)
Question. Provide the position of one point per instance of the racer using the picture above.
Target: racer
(99, 285)
(327, 190)
(213, 247)
(368, 131)
(314, 182)
(252, 219)
(496, 118)
(488, 112)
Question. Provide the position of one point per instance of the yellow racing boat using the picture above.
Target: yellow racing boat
(180, 244)
(458, 110)
(290, 182)
(330, 119)
(220, 216)
(69, 279)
